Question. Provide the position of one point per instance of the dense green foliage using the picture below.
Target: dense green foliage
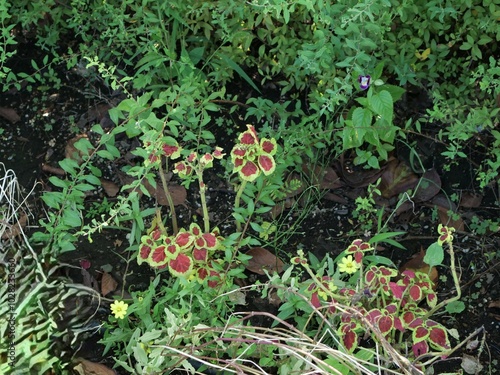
(318, 77)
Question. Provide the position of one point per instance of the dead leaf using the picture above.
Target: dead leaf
(117, 242)
(263, 259)
(178, 192)
(71, 152)
(12, 231)
(449, 221)
(494, 304)
(85, 367)
(53, 170)
(417, 264)
(108, 284)
(396, 179)
(471, 364)
(470, 200)
(89, 280)
(428, 186)
(110, 187)
(9, 114)
(354, 176)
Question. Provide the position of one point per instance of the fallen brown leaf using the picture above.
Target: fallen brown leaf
(470, 200)
(15, 229)
(417, 264)
(495, 304)
(449, 221)
(85, 367)
(263, 259)
(178, 192)
(110, 187)
(429, 186)
(9, 114)
(71, 152)
(108, 284)
(53, 170)
(396, 178)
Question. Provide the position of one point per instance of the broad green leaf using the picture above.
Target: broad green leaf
(434, 255)
(382, 104)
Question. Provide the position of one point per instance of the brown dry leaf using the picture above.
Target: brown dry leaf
(70, 152)
(89, 280)
(9, 114)
(494, 304)
(178, 192)
(356, 177)
(449, 221)
(397, 178)
(85, 367)
(53, 170)
(117, 242)
(470, 200)
(108, 284)
(110, 187)
(417, 264)
(263, 259)
(324, 177)
(428, 186)
(16, 229)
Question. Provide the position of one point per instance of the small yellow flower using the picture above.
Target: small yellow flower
(119, 309)
(348, 265)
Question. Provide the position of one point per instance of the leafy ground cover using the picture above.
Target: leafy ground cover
(213, 196)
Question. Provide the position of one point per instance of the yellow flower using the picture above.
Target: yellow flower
(119, 309)
(348, 265)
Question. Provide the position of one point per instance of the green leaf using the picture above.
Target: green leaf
(240, 71)
(455, 307)
(382, 104)
(56, 181)
(362, 118)
(434, 255)
(395, 91)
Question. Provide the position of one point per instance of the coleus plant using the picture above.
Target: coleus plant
(251, 156)
(187, 254)
(396, 306)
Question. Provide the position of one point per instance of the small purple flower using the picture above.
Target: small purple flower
(364, 82)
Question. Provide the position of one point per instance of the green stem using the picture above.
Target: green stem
(455, 280)
(170, 201)
(237, 202)
(203, 198)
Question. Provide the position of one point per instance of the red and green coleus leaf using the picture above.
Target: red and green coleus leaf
(420, 348)
(171, 148)
(266, 164)
(249, 137)
(349, 336)
(158, 257)
(415, 293)
(181, 265)
(206, 160)
(200, 255)
(184, 239)
(438, 338)
(268, 146)
(182, 169)
(144, 251)
(248, 171)
(218, 153)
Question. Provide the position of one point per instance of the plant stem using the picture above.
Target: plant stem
(170, 201)
(203, 198)
(455, 280)
(237, 202)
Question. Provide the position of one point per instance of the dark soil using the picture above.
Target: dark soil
(50, 118)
